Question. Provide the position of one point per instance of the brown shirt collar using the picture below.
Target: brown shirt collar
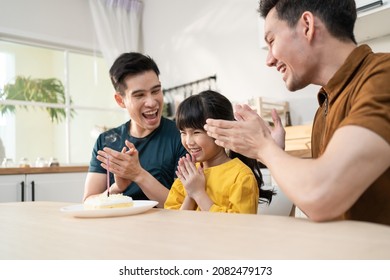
(342, 76)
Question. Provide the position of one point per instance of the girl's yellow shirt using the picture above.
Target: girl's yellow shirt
(232, 187)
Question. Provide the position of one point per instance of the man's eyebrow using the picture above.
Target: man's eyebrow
(156, 86)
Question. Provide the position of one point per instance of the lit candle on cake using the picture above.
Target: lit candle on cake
(109, 139)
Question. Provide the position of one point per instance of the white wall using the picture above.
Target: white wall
(60, 22)
(380, 44)
(189, 39)
(194, 39)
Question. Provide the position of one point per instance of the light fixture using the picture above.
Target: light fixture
(363, 7)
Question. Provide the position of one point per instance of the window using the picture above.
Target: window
(29, 132)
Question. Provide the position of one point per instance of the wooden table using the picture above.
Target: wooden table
(38, 230)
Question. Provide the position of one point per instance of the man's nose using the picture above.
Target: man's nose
(270, 60)
(150, 100)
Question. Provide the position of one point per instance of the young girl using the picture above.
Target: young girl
(209, 179)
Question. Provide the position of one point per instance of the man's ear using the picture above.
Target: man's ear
(119, 99)
(308, 27)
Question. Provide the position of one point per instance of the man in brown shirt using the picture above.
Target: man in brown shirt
(312, 42)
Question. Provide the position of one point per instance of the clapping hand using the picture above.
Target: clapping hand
(249, 135)
(192, 177)
(124, 165)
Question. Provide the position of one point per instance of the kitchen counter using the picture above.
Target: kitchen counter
(42, 170)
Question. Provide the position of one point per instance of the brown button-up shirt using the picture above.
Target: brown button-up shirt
(358, 94)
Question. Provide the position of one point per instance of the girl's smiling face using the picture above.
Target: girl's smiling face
(202, 147)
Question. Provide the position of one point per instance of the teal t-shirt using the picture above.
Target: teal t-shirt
(159, 153)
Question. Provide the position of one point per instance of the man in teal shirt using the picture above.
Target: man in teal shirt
(143, 153)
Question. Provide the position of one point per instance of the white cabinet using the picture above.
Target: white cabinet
(66, 187)
(12, 188)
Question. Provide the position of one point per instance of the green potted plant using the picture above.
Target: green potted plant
(49, 90)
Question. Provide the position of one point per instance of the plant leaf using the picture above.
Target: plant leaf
(49, 90)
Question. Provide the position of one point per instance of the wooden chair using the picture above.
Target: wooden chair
(264, 107)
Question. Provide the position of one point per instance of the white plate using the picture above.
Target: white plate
(139, 206)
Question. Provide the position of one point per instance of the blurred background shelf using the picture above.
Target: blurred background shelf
(298, 140)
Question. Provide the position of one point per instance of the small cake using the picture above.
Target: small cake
(103, 201)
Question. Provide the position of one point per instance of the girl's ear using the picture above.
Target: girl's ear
(119, 99)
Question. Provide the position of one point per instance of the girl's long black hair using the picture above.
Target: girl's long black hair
(196, 109)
